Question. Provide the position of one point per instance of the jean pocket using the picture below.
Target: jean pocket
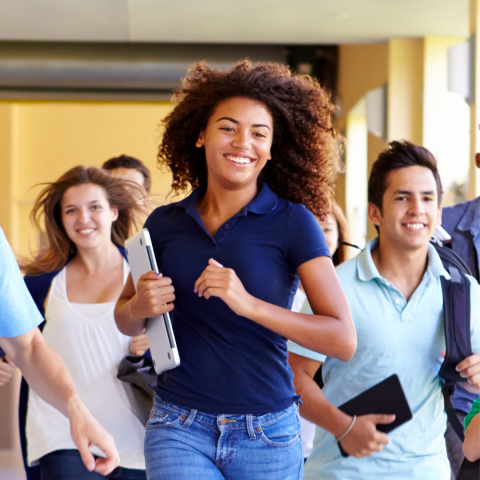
(163, 417)
(281, 432)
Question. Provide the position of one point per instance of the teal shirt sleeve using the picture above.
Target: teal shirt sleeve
(302, 351)
(475, 410)
(18, 312)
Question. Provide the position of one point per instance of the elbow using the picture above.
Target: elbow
(117, 314)
(471, 445)
(470, 455)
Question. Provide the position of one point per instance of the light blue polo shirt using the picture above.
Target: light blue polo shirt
(18, 312)
(393, 336)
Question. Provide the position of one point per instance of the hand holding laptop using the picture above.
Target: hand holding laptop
(155, 295)
(153, 301)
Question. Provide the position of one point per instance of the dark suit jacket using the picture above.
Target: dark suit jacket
(462, 222)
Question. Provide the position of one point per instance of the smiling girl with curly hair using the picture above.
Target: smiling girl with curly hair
(257, 145)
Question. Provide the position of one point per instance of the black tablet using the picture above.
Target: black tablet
(386, 397)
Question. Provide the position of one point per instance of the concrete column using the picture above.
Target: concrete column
(474, 176)
(9, 393)
(405, 84)
(7, 169)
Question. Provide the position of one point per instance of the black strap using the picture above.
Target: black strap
(451, 415)
(456, 306)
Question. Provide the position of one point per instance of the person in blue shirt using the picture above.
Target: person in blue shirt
(395, 293)
(255, 143)
(42, 366)
(462, 222)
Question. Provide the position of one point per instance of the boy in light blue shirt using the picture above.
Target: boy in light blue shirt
(395, 295)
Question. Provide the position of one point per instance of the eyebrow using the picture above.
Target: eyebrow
(73, 205)
(407, 192)
(237, 122)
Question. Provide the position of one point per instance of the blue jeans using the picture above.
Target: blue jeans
(68, 465)
(181, 444)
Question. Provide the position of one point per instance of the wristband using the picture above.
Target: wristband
(337, 440)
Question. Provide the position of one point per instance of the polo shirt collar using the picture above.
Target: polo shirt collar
(470, 221)
(367, 269)
(264, 202)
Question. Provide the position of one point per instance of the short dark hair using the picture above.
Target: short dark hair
(124, 161)
(399, 155)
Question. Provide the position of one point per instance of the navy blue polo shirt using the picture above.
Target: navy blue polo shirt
(230, 364)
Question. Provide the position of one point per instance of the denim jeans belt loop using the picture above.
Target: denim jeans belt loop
(190, 418)
(251, 433)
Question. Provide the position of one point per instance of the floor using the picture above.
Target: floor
(11, 473)
(11, 466)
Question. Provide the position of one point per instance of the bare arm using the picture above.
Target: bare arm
(471, 445)
(154, 296)
(329, 331)
(363, 439)
(46, 372)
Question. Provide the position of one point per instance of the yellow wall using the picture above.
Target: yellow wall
(361, 68)
(48, 138)
(405, 85)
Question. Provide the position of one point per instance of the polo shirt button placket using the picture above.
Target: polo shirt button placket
(213, 243)
(226, 226)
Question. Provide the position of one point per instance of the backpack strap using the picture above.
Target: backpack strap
(456, 306)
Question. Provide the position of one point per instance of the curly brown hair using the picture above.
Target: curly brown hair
(305, 145)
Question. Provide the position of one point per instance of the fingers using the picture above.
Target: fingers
(210, 280)
(87, 458)
(153, 282)
(212, 271)
(470, 369)
(105, 465)
(383, 419)
(469, 366)
(149, 276)
(443, 353)
(6, 372)
(7, 359)
(139, 345)
(214, 263)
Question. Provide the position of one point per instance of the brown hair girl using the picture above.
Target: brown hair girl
(47, 204)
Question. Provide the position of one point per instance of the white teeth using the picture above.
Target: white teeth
(86, 231)
(415, 226)
(241, 160)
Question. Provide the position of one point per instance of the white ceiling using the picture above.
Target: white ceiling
(231, 21)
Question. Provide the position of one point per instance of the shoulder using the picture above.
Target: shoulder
(161, 213)
(452, 215)
(297, 213)
(347, 271)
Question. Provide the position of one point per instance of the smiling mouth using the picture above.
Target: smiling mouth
(239, 160)
(86, 231)
(414, 227)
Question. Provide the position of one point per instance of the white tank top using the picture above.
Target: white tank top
(87, 338)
